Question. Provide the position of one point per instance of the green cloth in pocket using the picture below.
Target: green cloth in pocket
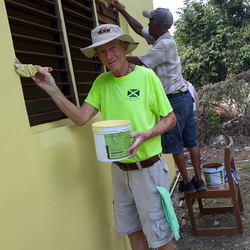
(169, 211)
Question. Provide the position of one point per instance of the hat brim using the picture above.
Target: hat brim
(147, 14)
(90, 50)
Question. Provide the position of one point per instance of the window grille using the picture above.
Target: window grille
(37, 32)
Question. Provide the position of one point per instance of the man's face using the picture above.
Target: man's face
(112, 54)
(152, 27)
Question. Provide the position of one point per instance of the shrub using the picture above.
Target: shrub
(225, 108)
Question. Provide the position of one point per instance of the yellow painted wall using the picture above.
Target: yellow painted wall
(135, 9)
(54, 194)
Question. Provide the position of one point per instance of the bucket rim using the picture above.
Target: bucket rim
(108, 123)
(215, 165)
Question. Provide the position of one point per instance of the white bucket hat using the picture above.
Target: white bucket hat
(105, 33)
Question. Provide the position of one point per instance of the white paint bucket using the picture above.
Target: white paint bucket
(214, 174)
(112, 140)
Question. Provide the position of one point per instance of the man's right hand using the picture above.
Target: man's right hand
(44, 79)
(115, 4)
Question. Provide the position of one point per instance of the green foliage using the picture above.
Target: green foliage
(212, 119)
(236, 12)
(213, 39)
(240, 55)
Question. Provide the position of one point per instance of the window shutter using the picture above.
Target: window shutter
(38, 38)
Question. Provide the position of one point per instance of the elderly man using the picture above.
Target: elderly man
(137, 203)
(164, 60)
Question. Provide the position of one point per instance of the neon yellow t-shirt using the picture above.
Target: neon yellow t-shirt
(138, 97)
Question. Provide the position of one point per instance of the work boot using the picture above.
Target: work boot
(199, 185)
(187, 188)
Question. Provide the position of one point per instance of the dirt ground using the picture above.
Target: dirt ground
(241, 242)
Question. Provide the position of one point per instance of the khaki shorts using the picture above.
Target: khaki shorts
(137, 202)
